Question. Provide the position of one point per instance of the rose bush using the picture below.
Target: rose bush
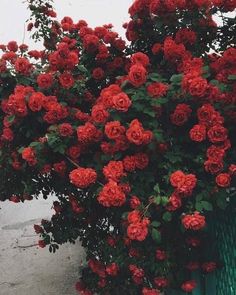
(136, 141)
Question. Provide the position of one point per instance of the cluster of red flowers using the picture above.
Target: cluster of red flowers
(134, 144)
(83, 177)
(194, 221)
(183, 183)
(138, 226)
(112, 194)
(211, 126)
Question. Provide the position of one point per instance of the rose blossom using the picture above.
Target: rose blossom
(83, 177)
(223, 179)
(194, 221)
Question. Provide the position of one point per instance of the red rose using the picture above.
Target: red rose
(141, 160)
(137, 231)
(205, 114)
(161, 282)
(76, 207)
(111, 195)
(223, 179)
(66, 80)
(41, 244)
(137, 75)
(3, 66)
(60, 168)
(14, 199)
(147, 291)
(174, 203)
(161, 255)
(157, 89)
(134, 252)
(83, 177)
(194, 221)
(185, 36)
(99, 114)
(114, 170)
(189, 286)
(196, 86)
(7, 134)
(45, 80)
(213, 166)
(135, 132)
(65, 129)
(217, 134)
(147, 136)
(176, 178)
(198, 133)
(232, 169)
(215, 153)
(156, 48)
(209, 266)
(137, 274)
(184, 183)
(90, 42)
(74, 151)
(12, 46)
(129, 163)
(86, 133)
(28, 154)
(140, 58)
(111, 241)
(38, 229)
(134, 202)
(112, 269)
(121, 102)
(36, 101)
(114, 130)
(22, 66)
(134, 216)
(98, 74)
(181, 114)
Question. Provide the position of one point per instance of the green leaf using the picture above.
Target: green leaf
(164, 200)
(35, 144)
(199, 197)
(82, 68)
(162, 100)
(176, 79)
(167, 216)
(207, 206)
(157, 188)
(158, 135)
(155, 224)
(156, 235)
(11, 118)
(232, 77)
(157, 200)
(203, 205)
(155, 77)
(149, 112)
(20, 150)
(198, 206)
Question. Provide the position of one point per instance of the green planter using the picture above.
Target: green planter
(225, 230)
(223, 281)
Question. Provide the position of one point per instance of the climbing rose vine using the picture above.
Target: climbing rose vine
(136, 140)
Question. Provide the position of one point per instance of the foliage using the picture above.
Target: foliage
(136, 141)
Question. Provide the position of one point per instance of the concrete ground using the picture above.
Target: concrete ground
(26, 269)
